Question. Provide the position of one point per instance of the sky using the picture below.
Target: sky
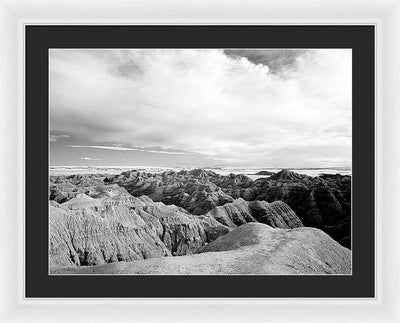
(201, 107)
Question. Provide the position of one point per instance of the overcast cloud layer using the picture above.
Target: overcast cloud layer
(269, 108)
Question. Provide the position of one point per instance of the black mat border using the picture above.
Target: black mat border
(38, 39)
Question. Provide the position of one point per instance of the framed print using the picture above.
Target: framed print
(229, 157)
(53, 52)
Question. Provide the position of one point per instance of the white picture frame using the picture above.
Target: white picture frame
(385, 15)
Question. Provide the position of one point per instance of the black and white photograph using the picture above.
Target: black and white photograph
(200, 161)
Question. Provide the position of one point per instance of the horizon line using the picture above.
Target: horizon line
(234, 167)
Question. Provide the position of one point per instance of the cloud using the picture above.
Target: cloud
(249, 108)
(130, 149)
(279, 61)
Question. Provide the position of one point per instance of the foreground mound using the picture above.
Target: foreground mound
(252, 248)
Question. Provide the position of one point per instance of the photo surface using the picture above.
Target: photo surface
(200, 161)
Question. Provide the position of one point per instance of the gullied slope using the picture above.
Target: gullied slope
(323, 202)
(252, 248)
(88, 231)
(277, 214)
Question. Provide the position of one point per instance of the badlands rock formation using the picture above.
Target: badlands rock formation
(191, 190)
(137, 216)
(323, 202)
(252, 248)
(64, 188)
(264, 173)
(276, 214)
(88, 231)
(120, 227)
